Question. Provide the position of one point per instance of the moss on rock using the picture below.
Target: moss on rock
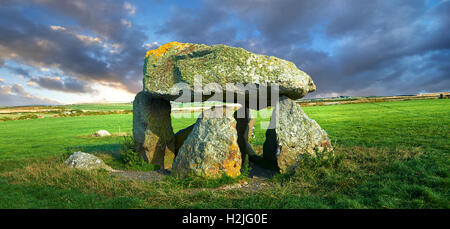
(176, 62)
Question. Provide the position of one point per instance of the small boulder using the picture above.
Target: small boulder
(294, 136)
(80, 160)
(211, 149)
(101, 133)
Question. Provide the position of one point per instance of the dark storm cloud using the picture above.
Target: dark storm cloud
(65, 85)
(369, 47)
(39, 45)
(349, 47)
(19, 71)
(101, 46)
(103, 17)
(199, 25)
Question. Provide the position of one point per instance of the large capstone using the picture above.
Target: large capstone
(152, 130)
(171, 70)
(294, 136)
(211, 149)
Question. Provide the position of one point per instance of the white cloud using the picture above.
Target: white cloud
(113, 48)
(31, 83)
(5, 89)
(131, 9)
(151, 45)
(103, 93)
(57, 28)
(111, 93)
(88, 39)
(126, 23)
(55, 78)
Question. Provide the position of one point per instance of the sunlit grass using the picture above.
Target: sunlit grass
(394, 155)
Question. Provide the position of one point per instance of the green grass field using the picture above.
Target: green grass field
(393, 155)
(101, 107)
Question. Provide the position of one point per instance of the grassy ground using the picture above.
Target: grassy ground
(392, 155)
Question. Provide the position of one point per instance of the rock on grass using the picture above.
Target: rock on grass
(101, 133)
(86, 161)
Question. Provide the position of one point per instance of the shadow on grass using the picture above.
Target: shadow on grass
(109, 153)
(262, 168)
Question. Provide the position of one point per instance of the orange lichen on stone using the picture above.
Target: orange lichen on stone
(166, 47)
(213, 171)
(232, 164)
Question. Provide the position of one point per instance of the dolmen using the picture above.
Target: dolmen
(218, 142)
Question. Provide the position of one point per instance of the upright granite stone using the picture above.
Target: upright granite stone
(211, 149)
(244, 129)
(295, 135)
(152, 130)
(173, 67)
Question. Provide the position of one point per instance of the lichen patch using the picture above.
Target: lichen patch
(161, 50)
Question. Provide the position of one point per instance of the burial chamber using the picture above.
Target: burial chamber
(218, 142)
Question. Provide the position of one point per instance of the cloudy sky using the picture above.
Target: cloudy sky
(72, 51)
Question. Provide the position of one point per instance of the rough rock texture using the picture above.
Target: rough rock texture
(181, 136)
(101, 133)
(152, 130)
(174, 63)
(244, 129)
(80, 160)
(211, 149)
(251, 129)
(294, 136)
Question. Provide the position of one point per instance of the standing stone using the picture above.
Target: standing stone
(244, 129)
(152, 130)
(211, 149)
(294, 136)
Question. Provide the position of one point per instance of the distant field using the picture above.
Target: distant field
(38, 112)
(396, 155)
(369, 99)
(101, 107)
